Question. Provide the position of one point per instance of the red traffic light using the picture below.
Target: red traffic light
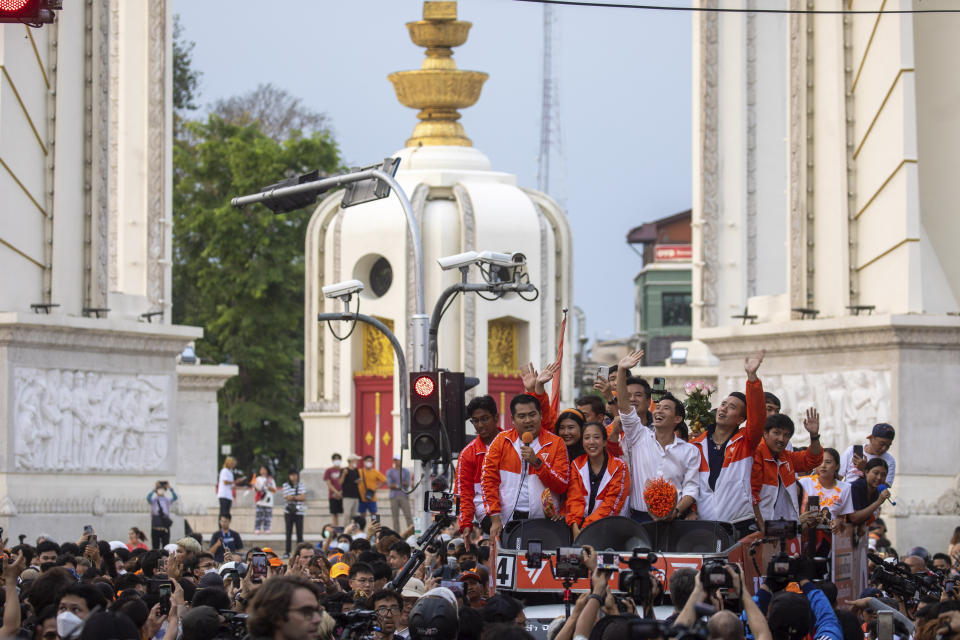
(424, 386)
(29, 12)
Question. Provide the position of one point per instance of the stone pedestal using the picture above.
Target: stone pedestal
(859, 371)
(91, 418)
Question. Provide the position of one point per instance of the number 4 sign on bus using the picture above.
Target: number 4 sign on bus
(504, 572)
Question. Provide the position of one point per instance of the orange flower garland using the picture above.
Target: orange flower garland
(660, 496)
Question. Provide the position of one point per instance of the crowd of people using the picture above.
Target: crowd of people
(575, 466)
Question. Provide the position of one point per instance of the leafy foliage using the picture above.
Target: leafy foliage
(186, 80)
(239, 273)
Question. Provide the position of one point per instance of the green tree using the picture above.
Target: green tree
(239, 273)
(186, 79)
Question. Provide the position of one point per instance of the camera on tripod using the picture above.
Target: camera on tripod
(441, 503)
(637, 582)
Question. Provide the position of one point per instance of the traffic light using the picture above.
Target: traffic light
(453, 406)
(425, 423)
(29, 12)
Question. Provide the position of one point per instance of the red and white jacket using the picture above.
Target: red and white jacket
(502, 468)
(765, 485)
(469, 475)
(611, 497)
(730, 499)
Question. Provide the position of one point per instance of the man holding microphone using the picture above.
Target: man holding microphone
(520, 465)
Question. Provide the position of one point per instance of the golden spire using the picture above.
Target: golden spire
(438, 88)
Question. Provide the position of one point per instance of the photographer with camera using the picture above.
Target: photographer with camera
(160, 521)
(520, 465)
(724, 625)
(790, 614)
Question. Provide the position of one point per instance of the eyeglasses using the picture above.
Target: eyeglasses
(308, 612)
(392, 610)
(481, 419)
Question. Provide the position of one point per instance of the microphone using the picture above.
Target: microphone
(527, 438)
(884, 487)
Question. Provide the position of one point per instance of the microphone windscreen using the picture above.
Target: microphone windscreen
(527, 437)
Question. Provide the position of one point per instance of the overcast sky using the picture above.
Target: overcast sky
(625, 104)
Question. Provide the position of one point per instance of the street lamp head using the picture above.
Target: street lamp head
(342, 289)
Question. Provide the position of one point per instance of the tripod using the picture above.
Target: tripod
(417, 556)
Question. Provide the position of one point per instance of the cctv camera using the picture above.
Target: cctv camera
(341, 289)
(458, 261)
(519, 259)
(497, 259)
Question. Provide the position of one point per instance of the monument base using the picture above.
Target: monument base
(858, 371)
(95, 412)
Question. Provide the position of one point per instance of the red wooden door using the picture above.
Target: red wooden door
(503, 388)
(373, 419)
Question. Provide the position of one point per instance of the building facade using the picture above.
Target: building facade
(93, 406)
(824, 206)
(662, 287)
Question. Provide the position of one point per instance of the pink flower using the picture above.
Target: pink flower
(688, 388)
(711, 388)
(699, 385)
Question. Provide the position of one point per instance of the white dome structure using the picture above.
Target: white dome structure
(461, 204)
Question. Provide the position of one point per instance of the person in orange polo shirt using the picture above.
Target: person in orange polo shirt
(508, 492)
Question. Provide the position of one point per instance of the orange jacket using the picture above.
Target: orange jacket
(763, 479)
(611, 496)
(502, 470)
(469, 475)
(729, 500)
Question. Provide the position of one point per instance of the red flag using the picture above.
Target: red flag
(555, 386)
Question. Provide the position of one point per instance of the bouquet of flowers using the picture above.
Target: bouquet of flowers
(660, 496)
(697, 405)
(551, 506)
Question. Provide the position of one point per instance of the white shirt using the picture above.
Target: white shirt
(678, 463)
(837, 499)
(264, 484)
(225, 490)
(523, 499)
(849, 473)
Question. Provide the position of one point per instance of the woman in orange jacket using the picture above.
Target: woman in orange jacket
(599, 483)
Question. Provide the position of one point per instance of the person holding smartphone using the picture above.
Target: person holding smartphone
(853, 462)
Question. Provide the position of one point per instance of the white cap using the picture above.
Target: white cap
(170, 548)
(442, 592)
(413, 589)
(116, 544)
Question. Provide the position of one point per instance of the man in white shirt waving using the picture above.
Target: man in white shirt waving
(656, 453)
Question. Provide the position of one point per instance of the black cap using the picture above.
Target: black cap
(433, 619)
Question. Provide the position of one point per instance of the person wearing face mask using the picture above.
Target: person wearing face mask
(160, 499)
(76, 603)
(370, 480)
(334, 478)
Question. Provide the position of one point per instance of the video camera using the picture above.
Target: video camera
(356, 623)
(236, 625)
(644, 629)
(441, 503)
(637, 582)
(783, 568)
(898, 581)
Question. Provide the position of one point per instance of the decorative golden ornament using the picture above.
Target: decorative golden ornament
(502, 347)
(377, 351)
(438, 88)
(386, 438)
(368, 438)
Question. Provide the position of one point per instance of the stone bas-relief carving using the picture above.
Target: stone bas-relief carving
(849, 402)
(69, 420)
